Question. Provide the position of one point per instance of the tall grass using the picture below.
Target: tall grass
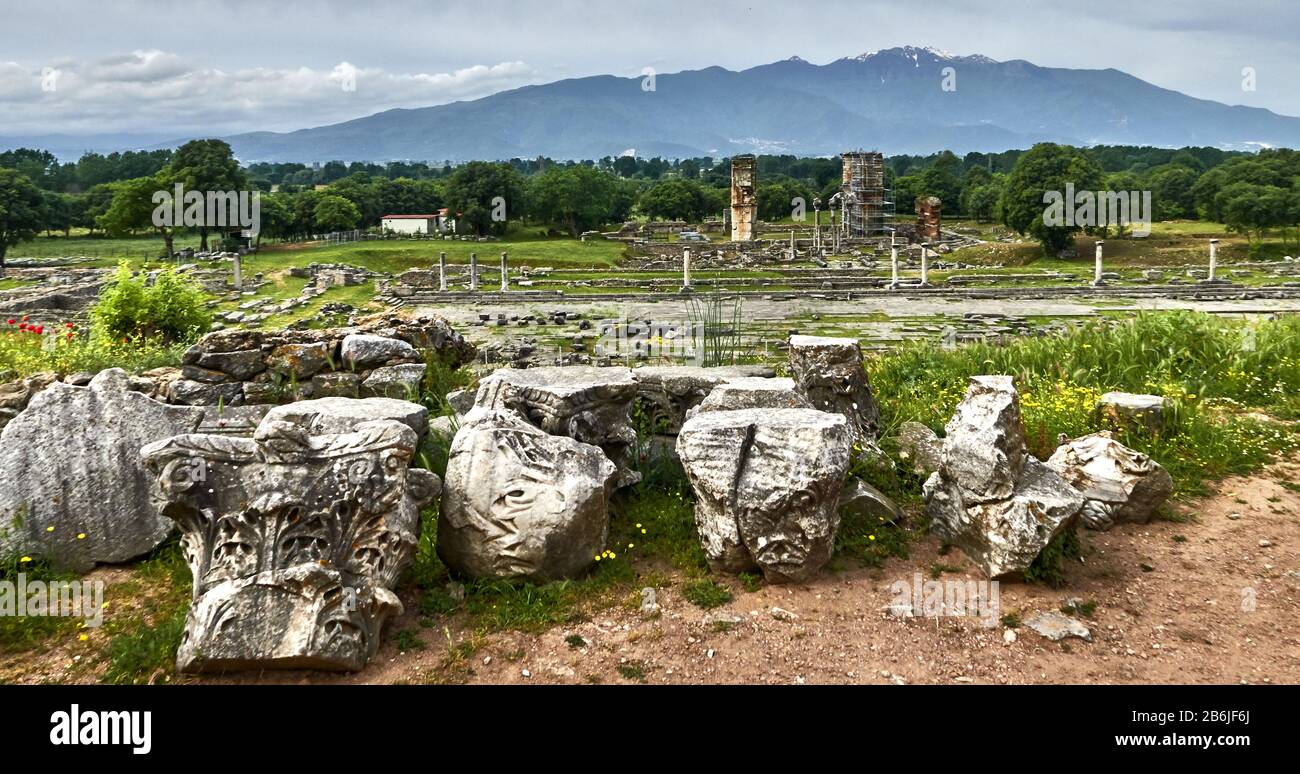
(1211, 369)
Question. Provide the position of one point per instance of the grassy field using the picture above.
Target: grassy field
(1170, 243)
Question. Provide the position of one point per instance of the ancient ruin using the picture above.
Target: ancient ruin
(990, 497)
(522, 503)
(767, 484)
(744, 199)
(829, 372)
(295, 541)
(72, 488)
(929, 222)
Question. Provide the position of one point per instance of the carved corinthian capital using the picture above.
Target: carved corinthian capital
(295, 541)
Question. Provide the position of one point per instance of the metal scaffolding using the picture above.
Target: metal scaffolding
(866, 203)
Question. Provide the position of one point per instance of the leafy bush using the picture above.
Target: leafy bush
(171, 309)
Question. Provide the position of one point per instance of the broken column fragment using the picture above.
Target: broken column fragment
(767, 485)
(295, 541)
(830, 373)
(1120, 484)
(990, 497)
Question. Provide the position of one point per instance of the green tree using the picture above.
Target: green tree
(277, 217)
(575, 197)
(941, 180)
(674, 199)
(59, 211)
(335, 213)
(206, 166)
(485, 195)
(775, 198)
(981, 201)
(22, 211)
(1039, 177)
(1252, 209)
(1171, 191)
(132, 209)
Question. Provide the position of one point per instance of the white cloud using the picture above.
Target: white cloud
(157, 91)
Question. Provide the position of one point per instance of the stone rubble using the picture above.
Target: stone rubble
(1120, 484)
(767, 486)
(990, 497)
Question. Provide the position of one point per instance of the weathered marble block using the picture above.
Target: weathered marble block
(990, 497)
(586, 403)
(521, 503)
(1134, 410)
(752, 392)
(767, 487)
(72, 487)
(295, 541)
(666, 394)
(832, 376)
(1121, 484)
(920, 448)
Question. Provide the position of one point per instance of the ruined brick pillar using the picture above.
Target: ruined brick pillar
(744, 200)
(929, 212)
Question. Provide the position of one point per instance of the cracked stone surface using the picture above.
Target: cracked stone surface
(521, 503)
(831, 375)
(1121, 484)
(72, 487)
(990, 497)
(588, 404)
(767, 484)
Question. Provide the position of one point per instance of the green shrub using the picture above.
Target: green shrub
(172, 309)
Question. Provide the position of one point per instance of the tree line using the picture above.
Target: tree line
(1254, 194)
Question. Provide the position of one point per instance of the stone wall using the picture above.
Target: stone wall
(383, 358)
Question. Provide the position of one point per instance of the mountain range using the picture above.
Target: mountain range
(899, 100)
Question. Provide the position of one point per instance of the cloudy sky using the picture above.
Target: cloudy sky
(225, 66)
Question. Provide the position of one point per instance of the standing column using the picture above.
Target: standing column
(505, 280)
(686, 268)
(893, 263)
(1214, 259)
(1096, 279)
(473, 272)
(442, 272)
(792, 248)
(925, 264)
(239, 271)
